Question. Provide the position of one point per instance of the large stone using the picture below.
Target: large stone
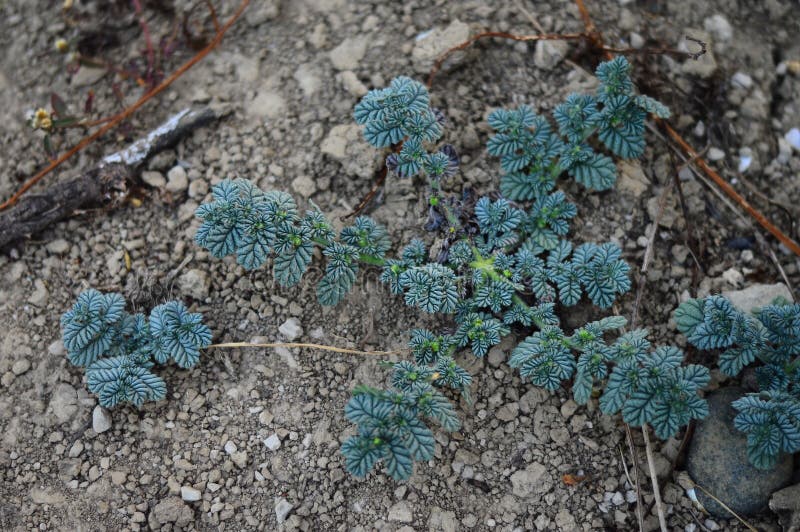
(786, 503)
(533, 480)
(434, 43)
(717, 461)
(172, 510)
(282, 509)
(757, 296)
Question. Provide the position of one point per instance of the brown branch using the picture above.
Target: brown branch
(126, 113)
(105, 184)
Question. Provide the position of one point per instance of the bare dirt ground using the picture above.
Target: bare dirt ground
(291, 72)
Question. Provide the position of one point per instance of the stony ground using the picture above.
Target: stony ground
(249, 439)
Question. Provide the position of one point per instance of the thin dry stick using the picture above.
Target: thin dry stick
(311, 346)
(117, 119)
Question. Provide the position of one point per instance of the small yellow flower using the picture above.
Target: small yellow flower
(67, 4)
(62, 46)
(42, 120)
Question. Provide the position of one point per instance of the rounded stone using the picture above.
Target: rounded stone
(717, 461)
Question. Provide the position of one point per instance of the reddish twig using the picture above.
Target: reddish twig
(148, 42)
(124, 114)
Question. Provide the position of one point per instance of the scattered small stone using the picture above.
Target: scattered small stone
(637, 41)
(230, 447)
(733, 277)
(400, 512)
(154, 179)
(349, 53)
(240, 459)
(282, 509)
(719, 28)
(101, 419)
(177, 181)
(58, 246)
(715, 154)
(548, 54)
(194, 283)
(268, 104)
(508, 412)
(534, 479)
(352, 84)
(304, 185)
(430, 45)
(21, 366)
(40, 294)
(291, 329)
(190, 494)
(273, 443)
(742, 80)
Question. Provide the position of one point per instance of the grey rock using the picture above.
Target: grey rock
(282, 509)
(786, 503)
(46, 496)
(154, 179)
(177, 181)
(548, 54)
(21, 366)
(58, 246)
(741, 80)
(719, 28)
(273, 443)
(757, 295)
(194, 283)
(101, 419)
(349, 53)
(632, 178)
(64, 403)
(715, 154)
(268, 104)
(40, 294)
(401, 513)
(172, 510)
(352, 84)
(508, 412)
(263, 11)
(533, 480)
(304, 185)
(442, 520)
(434, 43)
(345, 144)
(190, 494)
(717, 460)
(291, 329)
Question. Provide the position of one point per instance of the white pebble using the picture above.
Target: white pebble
(189, 494)
(273, 443)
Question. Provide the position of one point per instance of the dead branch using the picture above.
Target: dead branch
(103, 185)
